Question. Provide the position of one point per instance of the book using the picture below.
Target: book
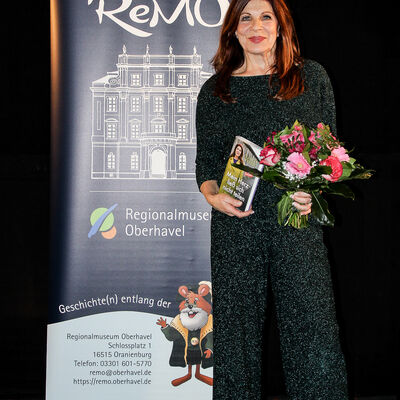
(237, 183)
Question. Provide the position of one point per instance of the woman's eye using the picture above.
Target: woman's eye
(245, 18)
(266, 17)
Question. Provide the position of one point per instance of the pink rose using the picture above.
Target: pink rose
(337, 169)
(298, 165)
(294, 141)
(340, 153)
(321, 126)
(269, 156)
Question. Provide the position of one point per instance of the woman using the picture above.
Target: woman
(260, 86)
(235, 158)
(237, 154)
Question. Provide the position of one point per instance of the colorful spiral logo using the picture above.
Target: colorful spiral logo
(102, 220)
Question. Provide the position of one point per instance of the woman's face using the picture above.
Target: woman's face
(238, 151)
(258, 28)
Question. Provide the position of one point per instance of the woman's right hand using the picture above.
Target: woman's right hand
(222, 201)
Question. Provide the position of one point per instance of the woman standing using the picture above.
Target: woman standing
(260, 86)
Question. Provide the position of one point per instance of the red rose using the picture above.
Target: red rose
(337, 169)
(269, 156)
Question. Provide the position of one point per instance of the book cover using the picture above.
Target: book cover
(237, 183)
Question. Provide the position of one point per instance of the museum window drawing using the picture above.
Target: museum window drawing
(158, 104)
(110, 161)
(158, 79)
(135, 79)
(182, 79)
(182, 161)
(111, 128)
(135, 129)
(143, 117)
(134, 161)
(111, 103)
(135, 104)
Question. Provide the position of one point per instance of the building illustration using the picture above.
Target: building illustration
(143, 117)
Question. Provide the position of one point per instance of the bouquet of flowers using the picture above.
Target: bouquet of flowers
(308, 160)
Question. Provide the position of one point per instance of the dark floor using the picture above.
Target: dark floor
(268, 398)
(355, 398)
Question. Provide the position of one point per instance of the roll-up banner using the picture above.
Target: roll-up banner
(130, 311)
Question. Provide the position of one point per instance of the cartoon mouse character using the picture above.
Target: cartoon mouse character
(191, 332)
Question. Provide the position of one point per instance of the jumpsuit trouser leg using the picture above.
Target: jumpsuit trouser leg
(301, 282)
(243, 255)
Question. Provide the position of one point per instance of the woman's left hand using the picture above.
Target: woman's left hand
(302, 201)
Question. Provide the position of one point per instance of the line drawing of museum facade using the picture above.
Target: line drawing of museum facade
(143, 117)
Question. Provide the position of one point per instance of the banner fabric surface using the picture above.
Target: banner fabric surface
(130, 228)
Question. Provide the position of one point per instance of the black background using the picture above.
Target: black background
(358, 44)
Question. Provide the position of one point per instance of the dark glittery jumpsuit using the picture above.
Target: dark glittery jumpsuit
(249, 253)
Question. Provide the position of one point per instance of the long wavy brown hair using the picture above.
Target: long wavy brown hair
(288, 62)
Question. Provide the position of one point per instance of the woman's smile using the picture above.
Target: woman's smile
(257, 39)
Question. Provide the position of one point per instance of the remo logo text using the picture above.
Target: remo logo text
(129, 15)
